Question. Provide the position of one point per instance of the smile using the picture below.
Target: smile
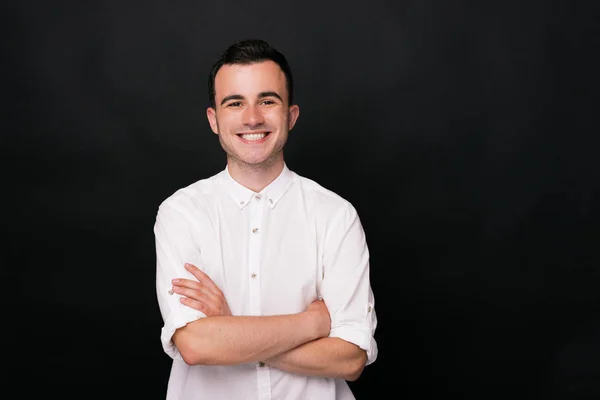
(253, 137)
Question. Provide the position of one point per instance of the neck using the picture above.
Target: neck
(255, 177)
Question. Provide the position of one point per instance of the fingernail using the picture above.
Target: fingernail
(188, 265)
(175, 281)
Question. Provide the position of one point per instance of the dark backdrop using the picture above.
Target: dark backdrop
(461, 131)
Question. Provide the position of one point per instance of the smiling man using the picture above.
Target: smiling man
(262, 275)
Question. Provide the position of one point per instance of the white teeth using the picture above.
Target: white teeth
(254, 136)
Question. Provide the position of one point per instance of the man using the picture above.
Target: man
(262, 275)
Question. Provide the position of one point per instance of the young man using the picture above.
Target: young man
(262, 275)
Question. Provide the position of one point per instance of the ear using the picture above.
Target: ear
(211, 114)
(293, 114)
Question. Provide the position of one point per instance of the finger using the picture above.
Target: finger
(212, 302)
(188, 283)
(194, 286)
(196, 305)
(196, 294)
(204, 305)
(204, 278)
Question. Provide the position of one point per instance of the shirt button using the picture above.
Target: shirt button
(369, 309)
(255, 230)
(253, 276)
(258, 197)
(261, 364)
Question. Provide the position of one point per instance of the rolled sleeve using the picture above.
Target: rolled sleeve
(359, 334)
(346, 287)
(175, 246)
(176, 320)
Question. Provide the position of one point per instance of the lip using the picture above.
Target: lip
(239, 135)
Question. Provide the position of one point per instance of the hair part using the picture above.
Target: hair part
(246, 52)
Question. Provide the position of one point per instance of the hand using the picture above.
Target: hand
(202, 295)
(323, 320)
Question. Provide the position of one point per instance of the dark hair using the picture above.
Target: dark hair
(249, 52)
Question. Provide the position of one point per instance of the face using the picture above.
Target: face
(252, 116)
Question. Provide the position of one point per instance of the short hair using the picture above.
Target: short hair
(246, 52)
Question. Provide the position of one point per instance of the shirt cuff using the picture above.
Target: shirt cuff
(358, 337)
(175, 321)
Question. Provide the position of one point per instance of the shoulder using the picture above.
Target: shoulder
(323, 201)
(192, 197)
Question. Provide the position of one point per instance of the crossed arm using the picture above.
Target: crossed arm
(296, 343)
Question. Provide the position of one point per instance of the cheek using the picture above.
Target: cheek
(276, 118)
(228, 121)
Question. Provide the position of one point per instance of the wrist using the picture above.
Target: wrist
(314, 322)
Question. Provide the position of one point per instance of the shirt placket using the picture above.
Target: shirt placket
(254, 247)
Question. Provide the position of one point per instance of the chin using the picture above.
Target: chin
(261, 162)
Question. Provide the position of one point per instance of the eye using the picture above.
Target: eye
(267, 102)
(234, 104)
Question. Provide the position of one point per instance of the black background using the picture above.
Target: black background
(463, 133)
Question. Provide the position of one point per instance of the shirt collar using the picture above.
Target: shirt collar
(272, 193)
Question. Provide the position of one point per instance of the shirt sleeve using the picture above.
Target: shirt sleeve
(346, 287)
(175, 245)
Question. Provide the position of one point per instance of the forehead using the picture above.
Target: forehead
(250, 79)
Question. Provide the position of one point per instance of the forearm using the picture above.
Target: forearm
(230, 340)
(330, 357)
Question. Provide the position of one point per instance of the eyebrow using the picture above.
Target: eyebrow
(260, 96)
(269, 94)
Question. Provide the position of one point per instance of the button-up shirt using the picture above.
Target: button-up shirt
(271, 253)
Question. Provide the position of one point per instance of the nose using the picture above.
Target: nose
(252, 116)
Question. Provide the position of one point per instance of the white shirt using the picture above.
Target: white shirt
(272, 252)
